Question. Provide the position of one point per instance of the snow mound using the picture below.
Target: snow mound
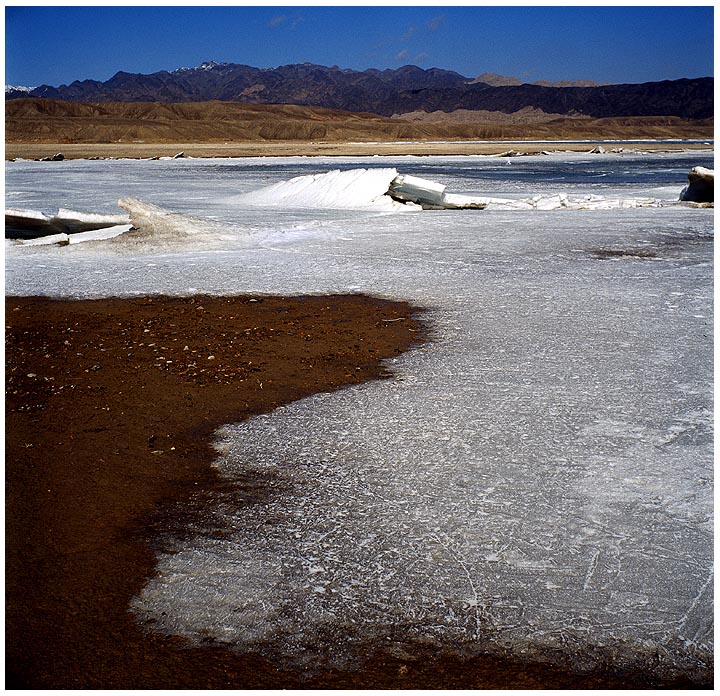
(354, 188)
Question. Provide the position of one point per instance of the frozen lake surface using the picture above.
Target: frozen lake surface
(536, 480)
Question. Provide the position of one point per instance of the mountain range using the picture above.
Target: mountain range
(387, 92)
(497, 80)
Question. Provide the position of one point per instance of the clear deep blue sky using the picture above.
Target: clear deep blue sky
(56, 45)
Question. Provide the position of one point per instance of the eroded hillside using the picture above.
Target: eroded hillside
(53, 121)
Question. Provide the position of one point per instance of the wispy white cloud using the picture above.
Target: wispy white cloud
(290, 21)
(408, 35)
(436, 23)
(405, 56)
(414, 35)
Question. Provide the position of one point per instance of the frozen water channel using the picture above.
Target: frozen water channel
(535, 481)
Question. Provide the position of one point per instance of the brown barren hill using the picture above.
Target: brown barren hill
(36, 121)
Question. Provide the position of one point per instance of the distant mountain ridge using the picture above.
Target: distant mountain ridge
(496, 80)
(385, 92)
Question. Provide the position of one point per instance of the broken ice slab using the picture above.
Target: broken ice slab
(28, 224)
(32, 224)
(701, 186)
(428, 194)
(412, 189)
(63, 239)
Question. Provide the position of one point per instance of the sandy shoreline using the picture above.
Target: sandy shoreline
(316, 149)
(111, 407)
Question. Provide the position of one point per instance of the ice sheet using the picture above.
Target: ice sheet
(537, 480)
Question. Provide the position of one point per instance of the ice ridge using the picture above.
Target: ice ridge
(382, 189)
(387, 188)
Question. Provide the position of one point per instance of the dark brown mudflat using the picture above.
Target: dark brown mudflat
(110, 410)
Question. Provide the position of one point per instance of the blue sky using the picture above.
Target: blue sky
(55, 45)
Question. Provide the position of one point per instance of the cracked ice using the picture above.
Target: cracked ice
(536, 480)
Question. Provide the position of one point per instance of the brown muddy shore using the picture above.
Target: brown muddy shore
(111, 407)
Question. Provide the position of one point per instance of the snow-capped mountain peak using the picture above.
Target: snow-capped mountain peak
(207, 65)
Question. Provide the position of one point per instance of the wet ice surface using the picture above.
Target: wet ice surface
(536, 480)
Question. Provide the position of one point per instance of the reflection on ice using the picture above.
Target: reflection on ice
(537, 480)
